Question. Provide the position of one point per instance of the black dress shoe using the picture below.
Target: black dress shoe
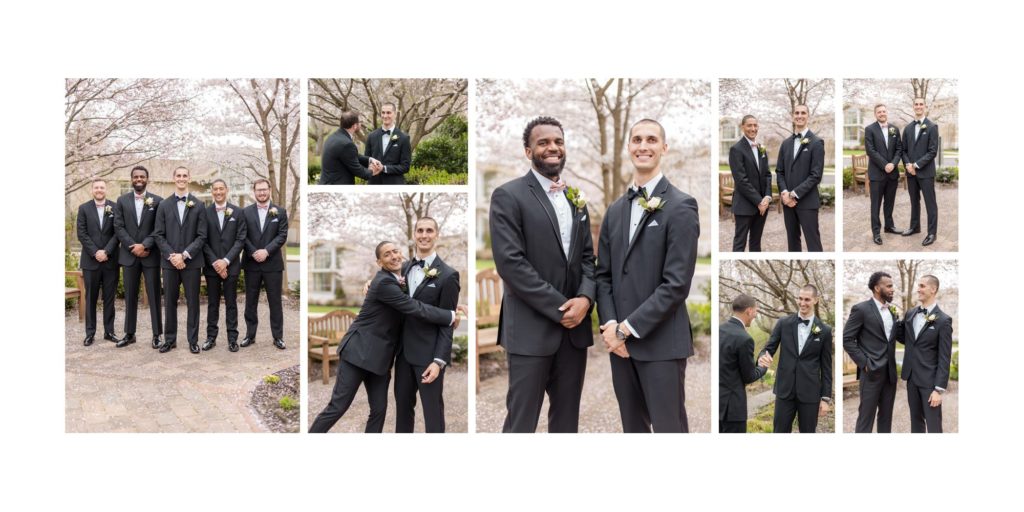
(279, 343)
(878, 239)
(232, 346)
(908, 232)
(88, 340)
(210, 343)
(895, 231)
(166, 346)
(928, 240)
(247, 341)
(193, 347)
(111, 337)
(156, 341)
(127, 340)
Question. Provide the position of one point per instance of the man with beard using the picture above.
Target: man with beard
(752, 195)
(884, 147)
(543, 251)
(928, 335)
(224, 244)
(736, 365)
(803, 380)
(368, 348)
(648, 253)
(921, 146)
(870, 339)
(99, 266)
(341, 161)
(425, 349)
(799, 170)
(266, 232)
(134, 221)
(390, 147)
(180, 233)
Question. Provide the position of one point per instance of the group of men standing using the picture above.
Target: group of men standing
(543, 250)
(181, 238)
(386, 158)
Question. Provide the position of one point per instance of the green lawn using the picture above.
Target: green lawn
(484, 264)
(314, 308)
(291, 251)
(704, 260)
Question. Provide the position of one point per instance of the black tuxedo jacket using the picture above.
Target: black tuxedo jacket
(422, 341)
(537, 276)
(226, 242)
(341, 161)
(921, 151)
(752, 178)
(371, 340)
(806, 376)
(646, 281)
(94, 239)
(927, 357)
(736, 369)
(272, 238)
(396, 157)
(178, 236)
(131, 230)
(865, 340)
(882, 149)
(802, 173)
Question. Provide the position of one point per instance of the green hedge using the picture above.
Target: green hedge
(947, 175)
(447, 148)
(847, 177)
(954, 366)
(827, 196)
(460, 349)
(430, 176)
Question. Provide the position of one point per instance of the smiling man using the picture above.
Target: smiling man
(389, 149)
(921, 146)
(752, 193)
(799, 169)
(869, 337)
(95, 224)
(134, 222)
(266, 232)
(648, 252)
(928, 335)
(884, 147)
(226, 238)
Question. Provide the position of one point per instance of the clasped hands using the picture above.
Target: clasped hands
(376, 167)
(139, 251)
(178, 260)
(788, 199)
(612, 342)
(762, 207)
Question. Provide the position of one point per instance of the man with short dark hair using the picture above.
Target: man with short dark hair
(99, 266)
(870, 337)
(134, 222)
(224, 243)
(266, 232)
(389, 148)
(752, 187)
(341, 162)
(736, 366)
(928, 335)
(798, 171)
(921, 146)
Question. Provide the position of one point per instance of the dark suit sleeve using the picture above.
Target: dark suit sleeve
(517, 274)
(241, 230)
(933, 147)
(196, 247)
(906, 149)
(851, 336)
(780, 167)
(83, 232)
(766, 176)
(945, 352)
(119, 229)
(817, 169)
(282, 232)
(250, 247)
(392, 295)
(827, 356)
(404, 159)
(898, 154)
(210, 216)
(871, 147)
(739, 177)
(354, 162)
(748, 371)
(603, 275)
(588, 287)
(677, 274)
(111, 246)
(159, 230)
(774, 339)
(149, 242)
(449, 299)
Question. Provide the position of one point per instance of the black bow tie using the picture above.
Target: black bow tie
(633, 193)
(418, 263)
(805, 322)
(181, 198)
(386, 132)
(921, 311)
(796, 135)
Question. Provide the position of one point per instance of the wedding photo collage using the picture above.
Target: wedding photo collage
(476, 255)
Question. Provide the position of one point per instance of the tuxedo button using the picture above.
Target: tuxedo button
(625, 271)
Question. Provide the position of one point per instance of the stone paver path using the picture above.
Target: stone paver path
(857, 223)
(901, 412)
(774, 237)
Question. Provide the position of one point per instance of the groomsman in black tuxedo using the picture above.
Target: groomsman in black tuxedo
(391, 147)
(928, 335)
(803, 379)
(368, 348)
(266, 232)
(800, 166)
(752, 193)
(870, 338)
(543, 251)
(884, 147)
(921, 145)
(736, 366)
(341, 161)
(134, 221)
(425, 349)
(224, 244)
(99, 266)
(648, 252)
(181, 233)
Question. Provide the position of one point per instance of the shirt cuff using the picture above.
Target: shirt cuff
(940, 390)
(606, 324)
(440, 362)
(187, 255)
(631, 329)
(453, 319)
(226, 261)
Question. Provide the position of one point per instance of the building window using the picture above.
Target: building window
(729, 133)
(853, 128)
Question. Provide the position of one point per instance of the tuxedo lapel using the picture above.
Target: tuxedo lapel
(440, 266)
(659, 192)
(925, 133)
(137, 219)
(573, 236)
(880, 322)
(787, 153)
(542, 198)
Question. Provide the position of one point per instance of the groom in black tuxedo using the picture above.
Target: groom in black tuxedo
(180, 233)
(226, 227)
(803, 379)
(921, 146)
(391, 147)
(134, 221)
(341, 161)
(266, 231)
(368, 348)
(543, 251)
(98, 261)
(884, 148)
(736, 366)
(799, 169)
(870, 338)
(752, 193)
(425, 349)
(648, 252)
(928, 336)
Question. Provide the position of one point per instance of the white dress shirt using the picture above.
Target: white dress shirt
(887, 320)
(416, 274)
(262, 214)
(140, 201)
(385, 140)
(100, 211)
(636, 212)
(803, 332)
(563, 210)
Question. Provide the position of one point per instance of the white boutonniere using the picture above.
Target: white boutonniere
(403, 285)
(576, 197)
(190, 203)
(804, 141)
(148, 201)
(653, 204)
(762, 149)
(394, 137)
(107, 210)
(228, 212)
(924, 127)
(816, 329)
(272, 211)
(892, 130)
(893, 311)
(930, 318)
(430, 272)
